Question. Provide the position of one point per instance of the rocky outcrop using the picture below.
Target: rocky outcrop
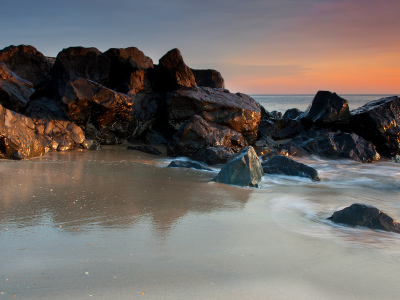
(88, 63)
(243, 169)
(337, 144)
(28, 63)
(365, 215)
(209, 78)
(123, 62)
(327, 108)
(196, 134)
(14, 91)
(379, 122)
(214, 155)
(292, 113)
(236, 111)
(145, 149)
(187, 164)
(286, 129)
(103, 113)
(286, 166)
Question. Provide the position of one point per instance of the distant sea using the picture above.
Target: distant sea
(282, 103)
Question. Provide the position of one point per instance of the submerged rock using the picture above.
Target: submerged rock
(286, 166)
(146, 149)
(209, 78)
(243, 169)
(187, 164)
(365, 215)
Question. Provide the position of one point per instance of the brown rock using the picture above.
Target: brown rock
(208, 78)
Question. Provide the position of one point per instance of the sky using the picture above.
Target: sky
(260, 47)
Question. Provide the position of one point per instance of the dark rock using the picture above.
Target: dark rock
(196, 134)
(88, 63)
(273, 153)
(292, 113)
(14, 91)
(236, 111)
(286, 129)
(327, 108)
(187, 164)
(209, 78)
(146, 149)
(103, 113)
(136, 82)
(286, 166)
(28, 63)
(266, 141)
(94, 145)
(243, 169)
(365, 215)
(153, 137)
(124, 62)
(293, 149)
(214, 155)
(396, 159)
(379, 122)
(276, 114)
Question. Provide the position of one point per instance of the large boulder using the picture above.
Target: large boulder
(236, 111)
(208, 78)
(283, 165)
(14, 91)
(18, 139)
(172, 73)
(365, 215)
(379, 122)
(124, 62)
(327, 108)
(337, 144)
(214, 155)
(73, 62)
(28, 63)
(196, 133)
(103, 113)
(243, 169)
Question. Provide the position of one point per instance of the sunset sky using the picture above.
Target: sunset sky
(260, 47)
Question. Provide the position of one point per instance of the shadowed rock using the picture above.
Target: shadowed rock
(214, 155)
(292, 113)
(88, 63)
(14, 91)
(209, 78)
(187, 164)
(379, 122)
(365, 215)
(146, 149)
(286, 166)
(236, 111)
(103, 113)
(243, 169)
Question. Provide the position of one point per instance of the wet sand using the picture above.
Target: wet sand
(118, 224)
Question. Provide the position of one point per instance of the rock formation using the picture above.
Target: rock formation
(209, 78)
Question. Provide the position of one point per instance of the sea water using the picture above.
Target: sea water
(120, 224)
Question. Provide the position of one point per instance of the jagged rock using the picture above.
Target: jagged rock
(18, 139)
(236, 111)
(28, 63)
(14, 91)
(293, 149)
(273, 153)
(187, 164)
(213, 155)
(276, 114)
(327, 108)
(379, 122)
(94, 145)
(208, 78)
(292, 113)
(266, 141)
(124, 62)
(196, 134)
(72, 62)
(103, 113)
(286, 166)
(243, 169)
(136, 82)
(286, 129)
(365, 215)
(146, 149)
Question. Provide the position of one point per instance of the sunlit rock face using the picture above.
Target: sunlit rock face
(196, 134)
(327, 108)
(74, 62)
(28, 63)
(365, 215)
(379, 122)
(209, 78)
(172, 73)
(236, 111)
(18, 139)
(14, 91)
(243, 169)
(103, 113)
(124, 62)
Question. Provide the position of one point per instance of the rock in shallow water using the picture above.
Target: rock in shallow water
(187, 164)
(365, 215)
(146, 149)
